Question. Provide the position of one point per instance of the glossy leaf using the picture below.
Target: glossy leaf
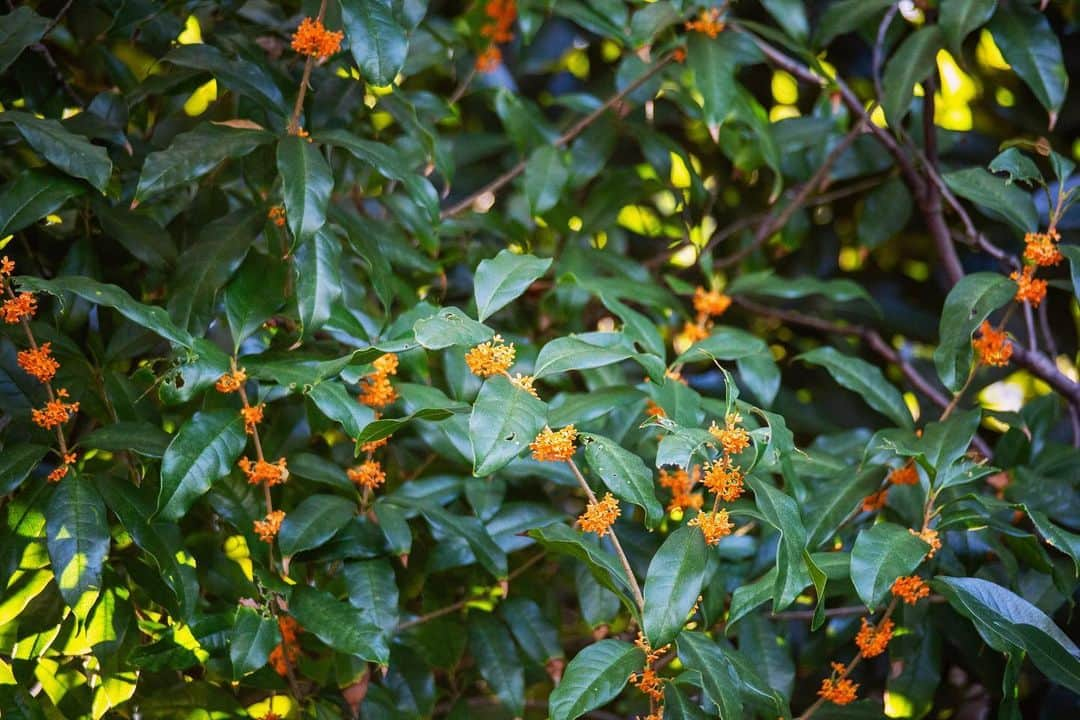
(911, 63)
(68, 152)
(450, 327)
(204, 449)
(502, 279)
(307, 183)
(864, 379)
(624, 474)
(19, 29)
(994, 197)
(504, 420)
(718, 676)
(672, 586)
(593, 678)
(379, 44)
(192, 155)
(1031, 47)
(969, 303)
(32, 195)
(318, 280)
(338, 624)
(77, 532)
(498, 661)
(253, 638)
(881, 554)
(314, 521)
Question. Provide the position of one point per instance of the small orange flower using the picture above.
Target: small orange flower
(841, 691)
(488, 60)
(21, 307)
(58, 474)
(277, 215)
(905, 475)
(654, 410)
(731, 437)
(502, 14)
(648, 682)
(271, 716)
(992, 346)
(875, 501)
(1040, 248)
(710, 303)
(7, 267)
(267, 529)
(679, 55)
(910, 589)
(313, 39)
(708, 23)
(271, 473)
(376, 390)
(1029, 289)
(231, 381)
(554, 445)
(368, 474)
(724, 479)
(253, 415)
(373, 445)
(931, 538)
(524, 382)
(600, 515)
(681, 484)
(491, 358)
(285, 655)
(39, 362)
(872, 640)
(56, 411)
(692, 333)
(386, 364)
(714, 525)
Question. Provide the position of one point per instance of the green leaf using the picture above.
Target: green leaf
(994, 197)
(147, 316)
(718, 676)
(239, 75)
(204, 449)
(307, 182)
(378, 43)
(770, 285)
(603, 565)
(141, 438)
(17, 461)
(790, 15)
(535, 635)
(69, 152)
(546, 175)
(138, 233)
(625, 474)
(497, 659)
(594, 678)
(372, 588)
(969, 303)
(253, 295)
(335, 402)
(314, 521)
(724, 343)
(712, 60)
(1030, 45)
(678, 446)
(1072, 252)
(833, 502)
(32, 195)
(450, 327)
(193, 154)
(504, 420)
(19, 29)
(1065, 541)
(503, 278)
(881, 554)
(885, 212)
(581, 352)
(77, 536)
(911, 63)
(385, 427)
(676, 576)
(1018, 166)
(338, 624)
(844, 16)
(1008, 623)
(252, 639)
(469, 529)
(650, 20)
(959, 17)
(317, 265)
(782, 512)
(865, 379)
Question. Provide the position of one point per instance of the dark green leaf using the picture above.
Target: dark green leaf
(911, 63)
(372, 588)
(581, 352)
(317, 266)
(712, 61)
(32, 195)
(1031, 47)
(885, 213)
(450, 327)
(16, 463)
(594, 678)
(140, 235)
(603, 565)
(253, 295)
(239, 75)
(314, 521)
(958, 18)
(673, 584)
(969, 303)
(69, 152)
(994, 197)
(385, 427)
(497, 660)
(881, 554)
(141, 438)
(625, 474)
(1018, 166)
(535, 634)
(770, 285)
(782, 512)
(501, 279)
(335, 402)
(790, 15)
(865, 379)
(19, 29)
(77, 536)
(253, 638)
(307, 182)
(718, 676)
(504, 420)
(1065, 541)
(204, 449)
(546, 175)
(469, 529)
(338, 624)
(379, 44)
(844, 16)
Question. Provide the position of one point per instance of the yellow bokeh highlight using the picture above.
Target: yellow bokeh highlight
(952, 109)
(281, 705)
(783, 112)
(200, 99)
(898, 706)
(680, 174)
(639, 219)
(785, 90)
(577, 63)
(192, 33)
(988, 54)
(1004, 97)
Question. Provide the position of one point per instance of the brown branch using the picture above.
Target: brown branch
(298, 107)
(575, 130)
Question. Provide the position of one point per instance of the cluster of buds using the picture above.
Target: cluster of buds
(284, 655)
(708, 304)
(498, 29)
(647, 681)
(495, 357)
(723, 477)
(376, 390)
(906, 474)
(314, 40)
(707, 23)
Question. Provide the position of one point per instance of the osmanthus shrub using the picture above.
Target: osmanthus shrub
(542, 359)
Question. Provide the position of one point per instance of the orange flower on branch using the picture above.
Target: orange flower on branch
(875, 501)
(931, 538)
(724, 479)
(872, 640)
(21, 307)
(312, 38)
(1041, 249)
(502, 14)
(839, 691)
(714, 525)
(708, 23)
(271, 473)
(488, 60)
(692, 333)
(39, 362)
(386, 364)
(7, 267)
(1029, 288)
(554, 445)
(56, 412)
(368, 474)
(491, 358)
(905, 475)
(377, 391)
(654, 410)
(992, 346)
(524, 382)
(277, 215)
(710, 303)
(373, 445)
(232, 381)
(267, 529)
(681, 485)
(253, 415)
(910, 589)
(732, 438)
(61, 470)
(600, 515)
(285, 655)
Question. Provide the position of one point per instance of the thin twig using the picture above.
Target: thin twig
(298, 107)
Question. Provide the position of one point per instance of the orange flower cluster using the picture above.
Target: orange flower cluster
(647, 681)
(230, 382)
(875, 501)
(271, 473)
(732, 438)
(253, 415)
(368, 474)
(838, 690)
(488, 60)
(714, 525)
(277, 215)
(312, 38)
(1029, 288)
(39, 362)
(654, 410)
(905, 475)
(681, 485)
(992, 346)
(491, 358)
(285, 655)
(524, 382)
(910, 589)
(499, 29)
(554, 445)
(692, 333)
(931, 538)
(600, 515)
(56, 412)
(61, 471)
(710, 303)
(1041, 248)
(725, 479)
(18, 308)
(872, 640)
(373, 445)
(708, 23)
(376, 390)
(267, 529)
(7, 267)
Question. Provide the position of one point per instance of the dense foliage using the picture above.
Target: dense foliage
(539, 359)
